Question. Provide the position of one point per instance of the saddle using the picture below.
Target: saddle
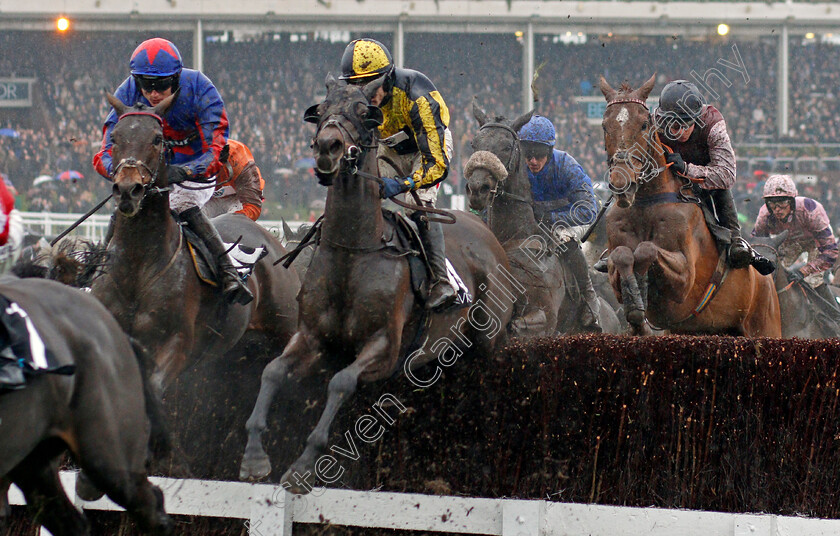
(22, 351)
(244, 258)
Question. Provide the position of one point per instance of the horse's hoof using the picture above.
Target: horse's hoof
(85, 489)
(295, 485)
(255, 467)
(636, 317)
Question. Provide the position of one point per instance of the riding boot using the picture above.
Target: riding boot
(574, 259)
(441, 293)
(741, 254)
(234, 290)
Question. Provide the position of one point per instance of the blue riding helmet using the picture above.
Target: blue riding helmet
(539, 130)
(156, 57)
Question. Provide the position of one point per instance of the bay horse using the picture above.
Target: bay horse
(98, 413)
(498, 184)
(358, 313)
(799, 313)
(150, 284)
(663, 262)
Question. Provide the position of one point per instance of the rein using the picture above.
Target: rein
(357, 150)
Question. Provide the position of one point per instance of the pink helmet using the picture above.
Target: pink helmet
(779, 186)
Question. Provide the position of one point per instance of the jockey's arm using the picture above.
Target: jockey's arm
(719, 173)
(429, 119)
(249, 189)
(582, 207)
(212, 121)
(820, 227)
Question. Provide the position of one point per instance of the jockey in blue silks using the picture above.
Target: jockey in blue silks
(195, 128)
(564, 202)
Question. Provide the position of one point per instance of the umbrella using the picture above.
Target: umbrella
(41, 180)
(69, 175)
(10, 132)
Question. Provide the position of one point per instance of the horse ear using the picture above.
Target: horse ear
(643, 92)
(116, 103)
(374, 117)
(164, 105)
(329, 81)
(287, 231)
(311, 114)
(479, 114)
(371, 87)
(779, 238)
(521, 121)
(606, 89)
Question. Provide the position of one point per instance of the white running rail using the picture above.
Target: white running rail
(267, 510)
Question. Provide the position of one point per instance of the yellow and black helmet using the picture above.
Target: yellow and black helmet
(365, 59)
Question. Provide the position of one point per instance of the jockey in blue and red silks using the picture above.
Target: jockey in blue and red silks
(195, 127)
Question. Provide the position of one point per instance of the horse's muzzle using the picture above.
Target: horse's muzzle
(129, 194)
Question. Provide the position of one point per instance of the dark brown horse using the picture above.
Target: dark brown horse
(663, 257)
(358, 312)
(98, 413)
(150, 284)
(801, 313)
(498, 184)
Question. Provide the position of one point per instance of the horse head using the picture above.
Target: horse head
(346, 127)
(138, 152)
(497, 156)
(629, 133)
(769, 246)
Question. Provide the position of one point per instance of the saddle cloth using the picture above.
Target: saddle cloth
(406, 239)
(244, 258)
(22, 351)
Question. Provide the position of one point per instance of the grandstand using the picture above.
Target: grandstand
(772, 75)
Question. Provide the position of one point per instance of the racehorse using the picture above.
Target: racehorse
(358, 313)
(498, 183)
(664, 263)
(150, 284)
(800, 314)
(98, 413)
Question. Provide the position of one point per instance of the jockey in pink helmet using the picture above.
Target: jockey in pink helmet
(810, 232)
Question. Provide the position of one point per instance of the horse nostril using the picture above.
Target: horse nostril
(336, 146)
(116, 190)
(137, 191)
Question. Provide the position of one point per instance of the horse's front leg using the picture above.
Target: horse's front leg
(677, 274)
(278, 376)
(623, 262)
(342, 386)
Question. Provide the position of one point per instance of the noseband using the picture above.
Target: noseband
(135, 163)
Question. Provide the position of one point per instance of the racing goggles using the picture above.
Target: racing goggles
(777, 202)
(155, 83)
(535, 150)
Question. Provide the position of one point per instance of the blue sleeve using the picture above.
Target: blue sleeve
(582, 207)
(213, 129)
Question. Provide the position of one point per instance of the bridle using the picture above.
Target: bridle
(143, 168)
(624, 156)
(511, 167)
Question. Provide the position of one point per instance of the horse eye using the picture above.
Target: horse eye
(158, 140)
(645, 125)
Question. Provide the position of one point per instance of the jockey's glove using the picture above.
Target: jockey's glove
(795, 275)
(677, 162)
(389, 187)
(179, 174)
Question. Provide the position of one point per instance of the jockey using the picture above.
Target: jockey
(810, 230)
(703, 154)
(195, 128)
(415, 144)
(11, 229)
(239, 185)
(564, 202)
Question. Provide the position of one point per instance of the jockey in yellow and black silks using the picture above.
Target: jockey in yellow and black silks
(415, 143)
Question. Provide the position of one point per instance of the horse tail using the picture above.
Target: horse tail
(160, 442)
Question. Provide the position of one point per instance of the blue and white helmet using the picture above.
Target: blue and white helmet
(539, 130)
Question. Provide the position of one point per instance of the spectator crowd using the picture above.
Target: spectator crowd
(268, 80)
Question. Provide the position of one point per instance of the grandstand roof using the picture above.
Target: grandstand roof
(684, 18)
